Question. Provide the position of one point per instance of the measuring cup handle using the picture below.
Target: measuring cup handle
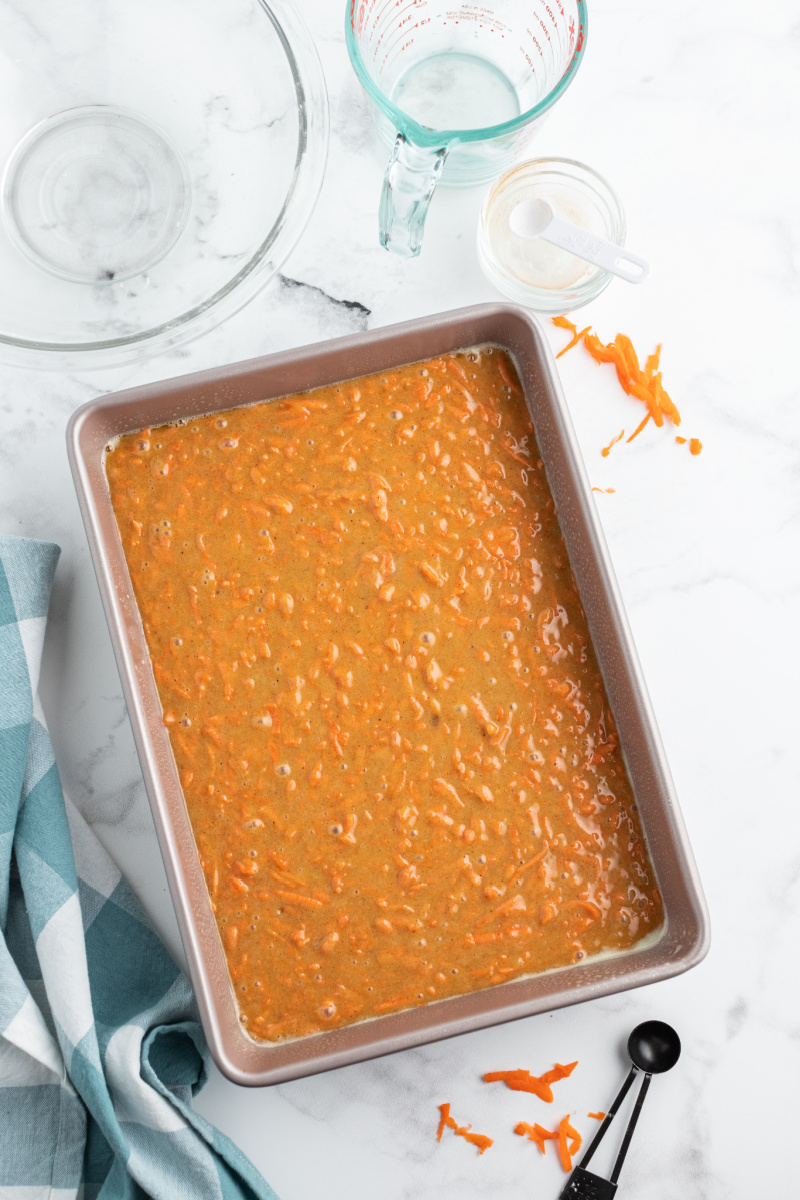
(411, 176)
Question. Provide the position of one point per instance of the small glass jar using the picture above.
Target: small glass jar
(532, 271)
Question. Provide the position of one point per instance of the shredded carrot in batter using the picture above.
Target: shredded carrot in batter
(477, 1139)
(523, 1081)
(569, 1140)
(644, 384)
(350, 773)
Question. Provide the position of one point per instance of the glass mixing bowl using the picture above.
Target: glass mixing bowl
(159, 161)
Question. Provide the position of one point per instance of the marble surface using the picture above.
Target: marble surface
(691, 114)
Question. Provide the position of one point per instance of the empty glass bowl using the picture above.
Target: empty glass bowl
(160, 160)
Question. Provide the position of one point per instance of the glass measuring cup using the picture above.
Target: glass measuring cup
(465, 84)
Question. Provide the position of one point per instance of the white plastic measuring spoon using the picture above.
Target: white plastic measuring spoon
(535, 219)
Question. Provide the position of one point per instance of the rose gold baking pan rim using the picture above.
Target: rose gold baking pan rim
(685, 938)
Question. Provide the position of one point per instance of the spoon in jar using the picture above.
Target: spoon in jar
(654, 1048)
(532, 219)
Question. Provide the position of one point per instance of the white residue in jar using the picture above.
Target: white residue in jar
(533, 261)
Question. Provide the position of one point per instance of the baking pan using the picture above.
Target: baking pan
(684, 939)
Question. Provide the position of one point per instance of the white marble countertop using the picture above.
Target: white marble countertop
(691, 114)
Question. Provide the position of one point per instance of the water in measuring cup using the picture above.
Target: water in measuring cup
(456, 91)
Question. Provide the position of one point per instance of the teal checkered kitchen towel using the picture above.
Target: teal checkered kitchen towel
(100, 1049)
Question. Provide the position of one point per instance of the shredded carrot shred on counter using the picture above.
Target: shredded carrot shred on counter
(643, 384)
(639, 427)
(569, 1140)
(653, 360)
(607, 449)
(539, 1085)
(465, 1131)
(577, 334)
(598, 1116)
(535, 1133)
(569, 1143)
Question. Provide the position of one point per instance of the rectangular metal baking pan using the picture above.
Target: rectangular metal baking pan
(685, 938)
